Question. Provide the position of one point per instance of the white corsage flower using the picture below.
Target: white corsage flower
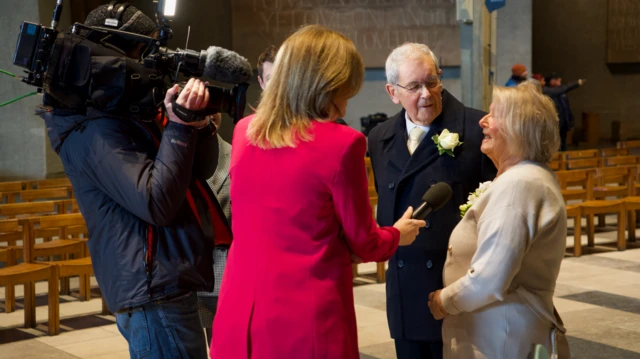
(473, 197)
(447, 142)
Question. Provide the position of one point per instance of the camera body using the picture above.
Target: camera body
(80, 69)
(32, 49)
(371, 121)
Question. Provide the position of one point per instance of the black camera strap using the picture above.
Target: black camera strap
(185, 114)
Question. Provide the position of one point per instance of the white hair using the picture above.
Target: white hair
(406, 51)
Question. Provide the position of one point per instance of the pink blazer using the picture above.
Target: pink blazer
(297, 215)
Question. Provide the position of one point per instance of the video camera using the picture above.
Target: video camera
(82, 68)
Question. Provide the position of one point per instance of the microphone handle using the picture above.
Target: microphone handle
(422, 211)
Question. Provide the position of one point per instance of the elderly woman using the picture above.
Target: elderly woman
(300, 209)
(505, 254)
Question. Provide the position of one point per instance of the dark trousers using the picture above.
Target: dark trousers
(563, 138)
(409, 349)
(164, 329)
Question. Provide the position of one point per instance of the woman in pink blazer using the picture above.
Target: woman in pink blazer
(301, 207)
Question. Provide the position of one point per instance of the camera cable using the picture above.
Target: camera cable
(19, 97)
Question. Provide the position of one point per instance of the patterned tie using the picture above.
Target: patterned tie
(414, 139)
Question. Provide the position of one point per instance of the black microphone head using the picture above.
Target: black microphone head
(437, 196)
(226, 66)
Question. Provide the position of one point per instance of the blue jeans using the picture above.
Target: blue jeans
(164, 329)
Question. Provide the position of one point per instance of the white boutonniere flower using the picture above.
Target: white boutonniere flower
(473, 197)
(447, 142)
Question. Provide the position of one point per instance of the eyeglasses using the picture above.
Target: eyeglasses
(430, 84)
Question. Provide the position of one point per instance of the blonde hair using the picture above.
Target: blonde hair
(312, 67)
(528, 120)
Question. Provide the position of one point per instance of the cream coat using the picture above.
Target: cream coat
(501, 269)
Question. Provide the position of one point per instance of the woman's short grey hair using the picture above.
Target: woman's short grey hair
(528, 120)
(406, 51)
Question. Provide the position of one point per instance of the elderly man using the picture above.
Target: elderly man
(406, 161)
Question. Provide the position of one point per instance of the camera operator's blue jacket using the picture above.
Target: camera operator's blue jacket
(150, 216)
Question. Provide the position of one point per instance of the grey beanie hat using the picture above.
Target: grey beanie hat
(133, 20)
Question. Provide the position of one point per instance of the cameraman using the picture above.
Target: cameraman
(151, 217)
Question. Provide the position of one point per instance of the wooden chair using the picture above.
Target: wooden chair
(584, 180)
(369, 168)
(614, 182)
(45, 194)
(71, 206)
(610, 152)
(556, 165)
(11, 237)
(53, 183)
(558, 156)
(64, 247)
(9, 190)
(582, 163)
(80, 266)
(29, 209)
(628, 144)
(373, 200)
(572, 155)
(9, 256)
(26, 209)
(597, 207)
(610, 182)
(28, 274)
(619, 161)
(632, 204)
(381, 275)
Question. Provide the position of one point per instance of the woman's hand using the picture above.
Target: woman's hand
(435, 305)
(409, 228)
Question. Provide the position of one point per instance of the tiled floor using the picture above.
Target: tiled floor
(597, 295)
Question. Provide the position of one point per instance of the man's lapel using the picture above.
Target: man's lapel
(394, 143)
(452, 119)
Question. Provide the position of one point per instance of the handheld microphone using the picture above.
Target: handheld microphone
(434, 199)
(226, 66)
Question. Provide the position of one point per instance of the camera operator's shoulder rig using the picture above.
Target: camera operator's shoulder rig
(84, 74)
(87, 70)
(87, 67)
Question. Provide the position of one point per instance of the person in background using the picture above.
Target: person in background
(219, 184)
(265, 65)
(518, 74)
(539, 78)
(558, 93)
(300, 209)
(505, 254)
(406, 162)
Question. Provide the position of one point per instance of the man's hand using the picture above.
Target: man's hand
(435, 305)
(581, 81)
(193, 97)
